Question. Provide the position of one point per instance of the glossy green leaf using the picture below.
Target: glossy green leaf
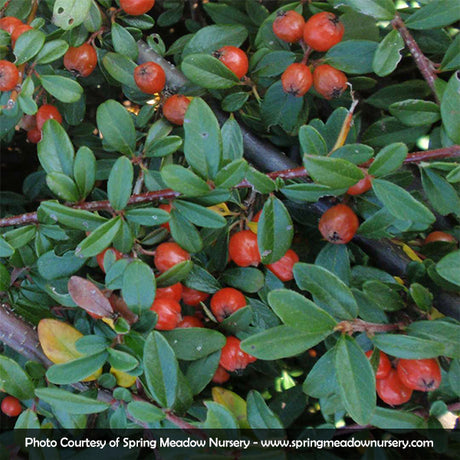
(120, 183)
(352, 56)
(232, 174)
(395, 419)
(408, 347)
(437, 13)
(378, 9)
(147, 216)
(311, 141)
(450, 110)
(71, 402)
(63, 186)
(164, 146)
(185, 233)
(321, 381)
(28, 45)
(447, 267)
(68, 14)
(52, 266)
(62, 88)
(199, 215)
(52, 51)
(260, 416)
(246, 279)
(451, 60)
(387, 55)
(123, 41)
(145, 412)
(175, 274)
(414, 112)
(389, 159)
(121, 360)
(14, 380)
(183, 180)
(84, 171)
(121, 68)
(99, 239)
(138, 286)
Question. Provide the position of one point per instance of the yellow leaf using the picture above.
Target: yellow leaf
(252, 226)
(221, 209)
(410, 253)
(399, 280)
(94, 376)
(123, 379)
(109, 322)
(234, 403)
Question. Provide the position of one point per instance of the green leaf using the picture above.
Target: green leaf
(6, 250)
(13, 379)
(193, 343)
(120, 183)
(383, 10)
(234, 102)
(123, 41)
(219, 418)
(203, 139)
(247, 279)
(63, 186)
(68, 14)
(392, 419)
(413, 89)
(164, 146)
(55, 151)
(232, 141)
(84, 171)
(138, 286)
(99, 239)
(208, 72)
(185, 233)
(28, 420)
(356, 380)
(328, 291)
(147, 216)
(450, 108)
(336, 259)
(145, 412)
(387, 55)
(261, 182)
(383, 295)
(451, 60)
(121, 68)
(121, 360)
(28, 45)
(408, 347)
(5, 278)
(321, 381)
(415, 112)
(183, 180)
(161, 369)
(447, 267)
(175, 274)
(117, 127)
(200, 372)
(232, 174)
(260, 416)
(352, 56)
(76, 370)
(300, 313)
(52, 266)
(71, 402)
(310, 192)
(199, 215)
(333, 172)
(435, 14)
(52, 51)
(275, 231)
(389, 159)
(62, 88)
(311, 141)
(274, 63)
(19, 237)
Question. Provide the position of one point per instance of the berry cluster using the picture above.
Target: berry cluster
(395, 385)
(320, 33)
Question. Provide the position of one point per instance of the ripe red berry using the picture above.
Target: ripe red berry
(136, 7)
(391, 390)
(169, 254)
(226, 301)
(18, 31)
(243, 249)
(175, 107)
(234, 58)
(34, 135)
(338, 224)
(173, 292)
(100, 257)
(419, 374)
(322, 31)
(168, 311)
(192, 297)
(150, 77)
(232, 357)
(362, 186)
(329, 81)
(11, 406)
(9, 23)
(9, 75)
(288, 26)
(437, 236)
(297, 79)
(282, 268)
(384, 365)
(190, 321)
(221, 375)
(47, 112)
(81, 59)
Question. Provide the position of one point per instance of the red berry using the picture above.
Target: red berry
(392, 391)
(11, 406)
(150, 77)
(419, 374)
(235, 59)
(47, 112)
(322, 31)
(169, 313)
(257, 216)
(338, 224)
(362, 186)
(439, 236)
(288, 26)
(192, 297)
(18, 31)
(226, 301)
(283, 267)
(167, 208)
(169, 254)
(243, 249)
(136, 7)
(34, 136)
(329, 81)
(232, 357)
(297, 79)
(9, 23)
(190, 321)
(9, 75)
(384, 365)
(81, 59)
(100, 257)
(175, 107)
(172, 292)
(221, 375)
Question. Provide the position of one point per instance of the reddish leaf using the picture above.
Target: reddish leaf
(87, 296)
